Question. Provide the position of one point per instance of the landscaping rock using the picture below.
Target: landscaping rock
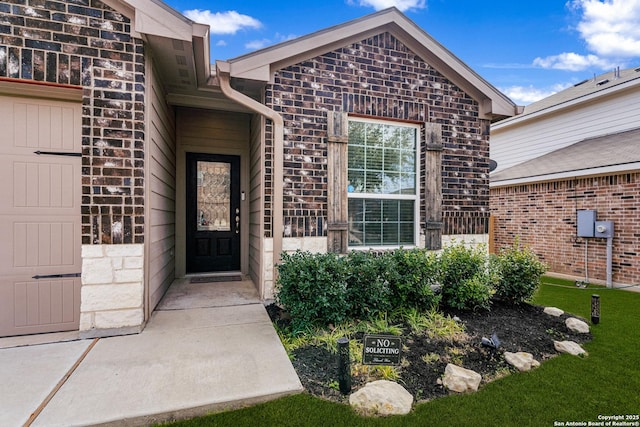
(577, 325)
(570, 347)
(461, 380)
(553, 311)
(521, 360)
(382, 398)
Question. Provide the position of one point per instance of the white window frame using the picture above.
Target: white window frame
(415, 197)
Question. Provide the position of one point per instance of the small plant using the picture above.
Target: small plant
(444, 327)
(430, 358)
(520, 272)
(389, 373)
(417, 320)
(454, 354)
(328, 338)
(334, 385)
(381, 325)
(556, 334)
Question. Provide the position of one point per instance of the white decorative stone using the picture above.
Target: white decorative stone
(124, 250)
(133, 262)
(382, 398)
(461, 380)
(553, 311)
(117, 262)
(96, 271)
(86, 321)
(570, 347)
(119, 318)
(577, 325)
(128, 276)
(92, 251)
(521, 360)
(111, 297)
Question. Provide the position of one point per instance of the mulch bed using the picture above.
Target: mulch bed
(520, 328)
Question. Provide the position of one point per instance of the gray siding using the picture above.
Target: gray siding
(162, 175)
(256, 205)
(513, 143)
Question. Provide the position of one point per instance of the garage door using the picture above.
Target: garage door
(40, 192)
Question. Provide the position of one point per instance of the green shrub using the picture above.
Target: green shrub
(367, 291)
(466, 283)
(520, 272)
(410, 274)
(313, 289)
(474, 293)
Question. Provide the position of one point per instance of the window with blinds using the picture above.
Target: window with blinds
(382, 183)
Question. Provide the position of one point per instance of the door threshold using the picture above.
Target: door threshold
(215, 277)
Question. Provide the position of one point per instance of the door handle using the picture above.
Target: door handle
(237, 220)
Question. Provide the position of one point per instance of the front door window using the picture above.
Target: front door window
(214, 196)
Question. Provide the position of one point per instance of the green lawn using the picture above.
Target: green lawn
(564, 389)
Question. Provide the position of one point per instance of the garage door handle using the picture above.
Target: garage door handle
(56, 276)
(57, 153)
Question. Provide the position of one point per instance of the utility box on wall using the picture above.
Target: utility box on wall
(586, 223)
(604, 229)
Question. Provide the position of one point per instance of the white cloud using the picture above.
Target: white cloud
(221, 43)
(229, 22)
(570, 61)
(523, 95)
(400, 4)
(610, 27)
(257, 44)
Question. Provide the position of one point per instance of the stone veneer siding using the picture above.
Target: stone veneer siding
(112, 293)
(378, 78)
(543, 217)
(85, 43)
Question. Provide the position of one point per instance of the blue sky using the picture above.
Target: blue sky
(529, 49)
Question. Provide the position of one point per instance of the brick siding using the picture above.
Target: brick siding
(543, 216)
(378, 78)
(85, 43)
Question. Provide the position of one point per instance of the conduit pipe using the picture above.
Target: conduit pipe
(223, 71)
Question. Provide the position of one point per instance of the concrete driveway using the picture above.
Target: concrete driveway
(205, 349)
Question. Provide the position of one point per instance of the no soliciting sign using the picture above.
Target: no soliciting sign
(381, 350)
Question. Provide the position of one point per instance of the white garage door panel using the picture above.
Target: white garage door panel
(40, 199)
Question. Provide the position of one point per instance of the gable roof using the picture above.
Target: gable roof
(585, 91)
(603, 154)
(262, 64)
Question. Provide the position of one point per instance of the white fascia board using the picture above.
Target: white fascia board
(608, 170)
(157, 18)
(522, 119)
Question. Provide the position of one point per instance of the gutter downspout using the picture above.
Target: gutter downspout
(223, 72)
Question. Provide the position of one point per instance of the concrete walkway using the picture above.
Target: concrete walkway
(198, 354)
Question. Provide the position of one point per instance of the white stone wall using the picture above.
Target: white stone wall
(112, 293)
(468, 240)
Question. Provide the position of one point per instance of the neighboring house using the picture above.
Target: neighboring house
(576, 150)
(155, 164)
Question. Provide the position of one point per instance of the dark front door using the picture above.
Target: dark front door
(213, 213)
